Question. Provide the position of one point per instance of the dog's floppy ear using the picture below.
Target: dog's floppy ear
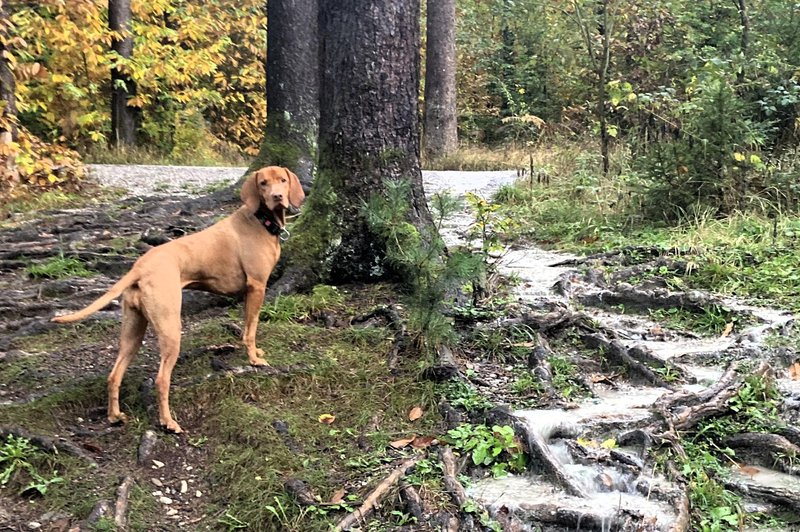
(296, 194)
(250, 196)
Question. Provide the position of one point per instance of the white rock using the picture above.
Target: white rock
(198, 493)
(158, 493)
(165, 500)
(157, 482)
(34, 525)
(172, 511)
(157, 464)
(184, 486)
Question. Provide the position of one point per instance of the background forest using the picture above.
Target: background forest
(697, 101)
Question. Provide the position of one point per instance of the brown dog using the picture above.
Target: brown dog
(232, 257)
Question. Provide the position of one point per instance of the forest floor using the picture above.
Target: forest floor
(602, 365)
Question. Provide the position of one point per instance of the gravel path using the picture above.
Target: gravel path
(148, 180)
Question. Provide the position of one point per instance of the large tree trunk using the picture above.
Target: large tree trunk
(8, 126)
(123, 88)
(369, 134)
(292, 89)
(441, 133)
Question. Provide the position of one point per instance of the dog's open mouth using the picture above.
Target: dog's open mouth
(279, 211)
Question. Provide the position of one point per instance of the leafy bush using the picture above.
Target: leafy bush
(17, 458)
(496, 447)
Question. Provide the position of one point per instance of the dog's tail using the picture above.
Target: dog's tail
(130, 278)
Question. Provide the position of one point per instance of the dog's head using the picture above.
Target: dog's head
(274, 187)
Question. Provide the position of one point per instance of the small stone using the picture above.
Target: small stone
(184, 486)
(172, 511)
(157, 482)
(168, 490)
(189, 468)
(34, 525)
(198, 494)
(165, 500)
(158, 493)
(157, 464)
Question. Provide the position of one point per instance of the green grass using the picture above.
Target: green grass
(229, 420)
(58, 268)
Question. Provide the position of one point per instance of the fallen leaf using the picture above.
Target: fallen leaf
(338, 496)
(794, 371)
(399, 444)
(727, 330)
(327, 418)
(524, 344)
(749, 470)
(422, 442)
(415, 413)
(609, 443)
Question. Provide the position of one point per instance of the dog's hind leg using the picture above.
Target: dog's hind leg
(134, 325)
(164, 310)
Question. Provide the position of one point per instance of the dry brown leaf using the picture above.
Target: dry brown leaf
(749, 470)
(422, 442)
(327, 418)
(794, 371)
(338, 496)
(415, 413)
(727, 330)
(402, 442)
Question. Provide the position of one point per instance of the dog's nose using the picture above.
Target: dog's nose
(277, 197)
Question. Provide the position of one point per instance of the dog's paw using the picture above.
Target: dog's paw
(258, 361)
(171, 426)
(117, 419)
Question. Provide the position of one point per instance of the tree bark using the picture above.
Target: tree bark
(441, 128)
(369, 54)
(124, 118)
(745, 37)
(290, 138)
(8, 126)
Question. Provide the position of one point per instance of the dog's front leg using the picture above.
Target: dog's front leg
(252, 306)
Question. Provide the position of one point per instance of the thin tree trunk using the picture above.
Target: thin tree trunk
(123, 88)
(745, 38)
(369, 134)
(603, 80)
(441, 127)
(290, 138)
(8, 126)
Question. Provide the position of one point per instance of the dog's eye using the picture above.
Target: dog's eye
(263, 183)
(283, 180)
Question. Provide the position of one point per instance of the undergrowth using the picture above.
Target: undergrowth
(706, 464)
(753, 252)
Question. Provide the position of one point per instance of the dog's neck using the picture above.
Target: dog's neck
(268, 220)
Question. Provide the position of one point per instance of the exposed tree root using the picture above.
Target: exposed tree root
(548, 464)
(450, 473)
(636, 360)
(46, 443)
(688, 412)
(768, 450)
(121, 505)
(779, 495)
(651, 298)
(372, 500)
(395, 323)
